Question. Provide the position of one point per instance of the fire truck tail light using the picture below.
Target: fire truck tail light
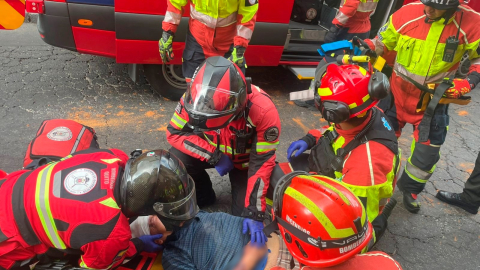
(35, 6)
(85, 22)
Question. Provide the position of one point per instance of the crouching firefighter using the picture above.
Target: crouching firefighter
(225, 122)
(359, 148)
(322, 225)
(429, 39)
(81, 206)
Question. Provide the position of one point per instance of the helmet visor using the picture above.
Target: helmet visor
(205, 100)
(184, 209)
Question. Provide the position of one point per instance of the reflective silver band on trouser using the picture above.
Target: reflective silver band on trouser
(418, 174)
(421, 164)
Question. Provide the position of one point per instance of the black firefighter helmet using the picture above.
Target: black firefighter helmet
(157, 183)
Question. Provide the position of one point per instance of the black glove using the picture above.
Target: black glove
(332, 34)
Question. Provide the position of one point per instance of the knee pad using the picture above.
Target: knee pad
(424, 156)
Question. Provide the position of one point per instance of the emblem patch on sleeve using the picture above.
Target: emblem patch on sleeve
(249, 3)
(271, 134)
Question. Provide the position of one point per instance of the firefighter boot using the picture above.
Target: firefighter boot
(456, 199)
(409, 199)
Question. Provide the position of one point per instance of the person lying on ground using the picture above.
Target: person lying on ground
(219, 240)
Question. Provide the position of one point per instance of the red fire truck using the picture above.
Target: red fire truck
(128, 31)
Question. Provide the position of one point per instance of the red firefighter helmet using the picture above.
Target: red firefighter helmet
(345, 91)
(322, 222)
(216, 95)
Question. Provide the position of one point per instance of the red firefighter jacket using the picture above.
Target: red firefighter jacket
(355, 15)
(369, 170)
(215, 24)
(264, 123)
(69, 206)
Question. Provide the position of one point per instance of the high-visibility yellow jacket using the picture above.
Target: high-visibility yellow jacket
(420, 45)
(215, 14)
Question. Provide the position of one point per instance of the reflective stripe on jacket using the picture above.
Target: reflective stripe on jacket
(66, 205)
(214, 14)
(420, 45)
(260, 155)
(355, 15)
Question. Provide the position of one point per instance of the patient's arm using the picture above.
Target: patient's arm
(251, 256)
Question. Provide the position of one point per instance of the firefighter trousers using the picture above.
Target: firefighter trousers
(344, 35)
(203, 185)
(194, 55)
(471, 192)
(424, 156)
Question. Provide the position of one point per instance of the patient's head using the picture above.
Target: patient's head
(155, 225)
(150, 225)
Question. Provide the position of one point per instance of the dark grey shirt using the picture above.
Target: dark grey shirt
(210, 242)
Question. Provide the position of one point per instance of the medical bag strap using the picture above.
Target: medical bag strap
(419, 86)
(424, 126)
(337, 162)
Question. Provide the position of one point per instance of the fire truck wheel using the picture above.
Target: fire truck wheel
(166, 80)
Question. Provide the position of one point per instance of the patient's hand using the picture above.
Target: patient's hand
(251, 256)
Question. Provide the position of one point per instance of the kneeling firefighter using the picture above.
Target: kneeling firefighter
(81, 206)
(225, 122)
(359, 148)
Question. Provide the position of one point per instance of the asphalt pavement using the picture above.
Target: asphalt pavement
(38, 82)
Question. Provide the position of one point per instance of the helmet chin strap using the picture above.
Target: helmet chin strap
(447, 16)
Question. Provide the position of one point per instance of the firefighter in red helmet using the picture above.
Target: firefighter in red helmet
(359, 148)
(322, 225)
(224, 122)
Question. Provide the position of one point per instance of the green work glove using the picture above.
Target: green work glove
(165, 46)
(237, 56)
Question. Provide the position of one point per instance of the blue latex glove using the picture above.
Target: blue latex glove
(224, 165)
(256, 231)
(149, 244)
(300, 146)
